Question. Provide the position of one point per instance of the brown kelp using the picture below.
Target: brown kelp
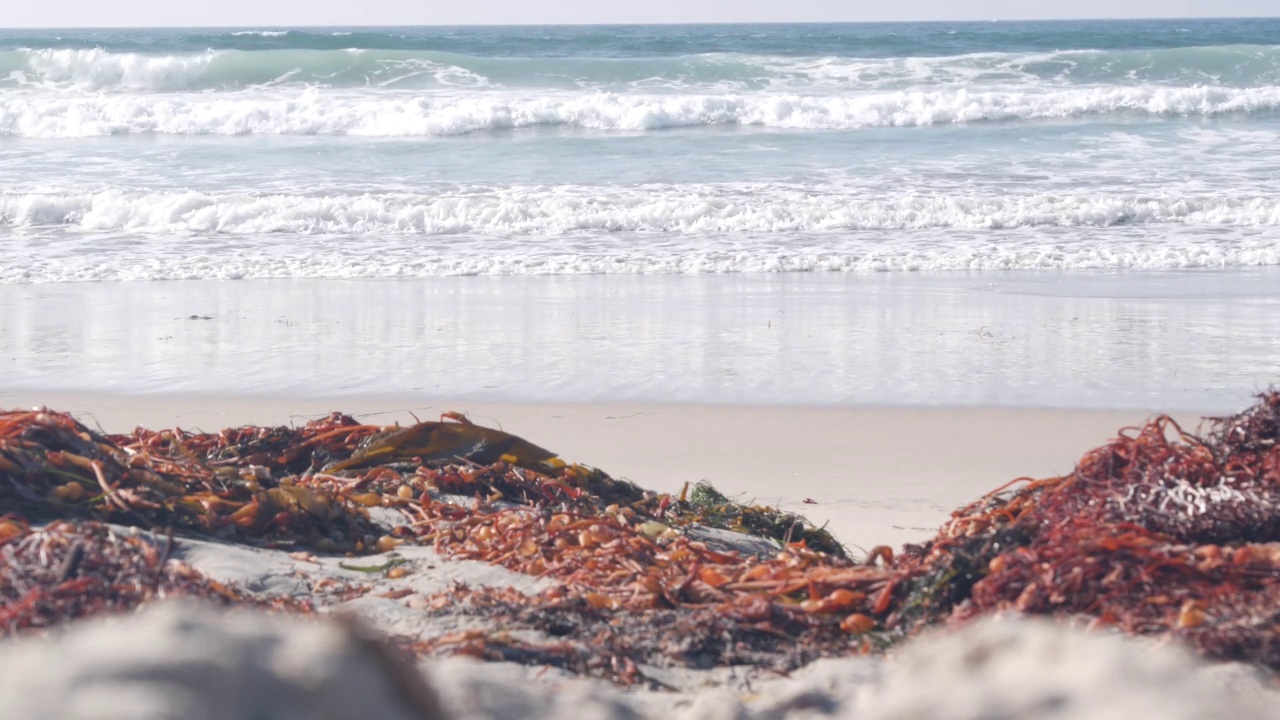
(69, 570)
(1161, 531)
(223, 485)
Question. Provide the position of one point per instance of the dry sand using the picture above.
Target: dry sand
(875, 475)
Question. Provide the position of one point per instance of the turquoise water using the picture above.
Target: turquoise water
(418, 152)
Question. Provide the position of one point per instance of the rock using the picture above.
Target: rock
(187, 662)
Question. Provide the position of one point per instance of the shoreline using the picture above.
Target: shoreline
(1170, 340)
(878, 475)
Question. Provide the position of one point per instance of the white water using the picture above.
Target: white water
(770, 161)
(416, 155)
(311, 112)
(523, 210)
(101, 70)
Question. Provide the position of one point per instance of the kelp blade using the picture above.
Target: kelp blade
(433, 442)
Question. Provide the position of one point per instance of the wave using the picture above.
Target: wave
(321, 113)
(118, 235)
(837, 40)
(566, 210)
(383, 257)
(96, 69)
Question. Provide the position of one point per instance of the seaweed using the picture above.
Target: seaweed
(708, 506)
(1159, 532)
(74, 569)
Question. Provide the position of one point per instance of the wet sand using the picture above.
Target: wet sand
(1188, 340)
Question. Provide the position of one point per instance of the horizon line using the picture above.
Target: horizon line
(267, 26)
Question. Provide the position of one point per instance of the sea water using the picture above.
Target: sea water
(1060, 152)
(361, 152)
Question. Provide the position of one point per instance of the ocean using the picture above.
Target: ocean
(811, 161)
(417, 152)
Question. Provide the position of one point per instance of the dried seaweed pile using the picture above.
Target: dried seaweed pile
(591, 639)
(633, 590)
(238, 484)
(70, 570)
(634, 583)
(618, 552)
(1160, 531)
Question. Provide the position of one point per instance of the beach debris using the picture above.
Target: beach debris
(588, 637)
(222, 485)
(446, 443)
(74, 569)
(1161, 532)
(716, 510)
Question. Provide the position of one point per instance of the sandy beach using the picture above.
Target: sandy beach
(786, 367)
(871, 475)
(873, 406)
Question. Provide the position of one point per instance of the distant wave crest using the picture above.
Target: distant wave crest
(98, 69)
(316, 113)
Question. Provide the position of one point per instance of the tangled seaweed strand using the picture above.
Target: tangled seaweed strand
(1161, 531)
(592, 640)
(74, 569)
(234, 485)
(632, 590)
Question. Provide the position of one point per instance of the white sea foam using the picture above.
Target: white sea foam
(105, 70)
(315, 112)
(115, 235)
(532, 210)
(98, 69)
(368, 258)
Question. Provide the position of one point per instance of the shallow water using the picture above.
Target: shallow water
(1193, 340)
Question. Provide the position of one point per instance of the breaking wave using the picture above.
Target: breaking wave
(98, 69)
(384, 257)
(320, 113)
(118, 235)
(546, 211)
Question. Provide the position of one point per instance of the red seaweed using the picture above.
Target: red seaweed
(1161, 531)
